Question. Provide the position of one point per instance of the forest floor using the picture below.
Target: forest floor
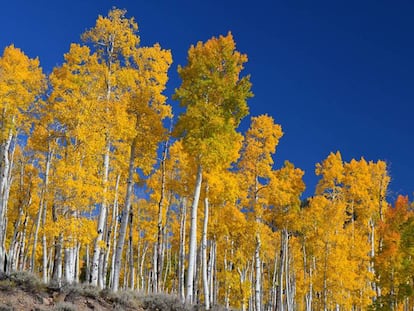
(22, 291)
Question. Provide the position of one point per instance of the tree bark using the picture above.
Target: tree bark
(6, 158)
(93, 278)
(181, 256)
(159, 267)
(42, 206)
(124, 219)
(193, 238)
(204, 253)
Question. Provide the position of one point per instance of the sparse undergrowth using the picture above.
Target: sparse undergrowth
(24, 291)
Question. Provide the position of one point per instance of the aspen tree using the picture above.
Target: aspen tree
(21, 83)
(146, 108)
(114, 39)
(255, 165)
(215, 97)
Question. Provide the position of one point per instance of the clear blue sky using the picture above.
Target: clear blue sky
(337, 75)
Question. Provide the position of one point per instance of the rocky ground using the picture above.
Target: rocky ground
(22, 291)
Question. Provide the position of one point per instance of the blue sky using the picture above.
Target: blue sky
(337, 75)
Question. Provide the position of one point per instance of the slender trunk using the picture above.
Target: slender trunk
(181, 257)
(114, 225)
(216, 279)
(158, 268)
(22, 245)
(77, 267)
(14, 241)
(57, 264)
(131, 252)
(204, 253)
(6, 159)
(210, 269)
(251, 279)
(26, 252)
(197, 276)
(289, 294)
(165, 251)
(193, 238)
(93, 278)
(274, 288)
(124, 219)
(45, 275)
(87, 263)
(168, 262)
(242, 280)
(42, 206)
(258, 280)
(141, 267)
(154, 266)
(280, 302)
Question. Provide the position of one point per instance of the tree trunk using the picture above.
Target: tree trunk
(57, 264)
(204, 253)
(114, 226)
(181, 256)
(124, 219)
(158, 261)
(42, 206)
(258, 280)
(131, 253)
(6, 154)
(70, 264)
(93, 278)
(210, 270)
(280, 301)
(141, 267)
(193, 238)
(22, 245)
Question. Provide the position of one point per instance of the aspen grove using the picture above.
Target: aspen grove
(100, 184)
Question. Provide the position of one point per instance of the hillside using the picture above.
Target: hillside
(23, 291)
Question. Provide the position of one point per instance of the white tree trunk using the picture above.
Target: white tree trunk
(42, 206)
(124, 220)
(57, 265)
(6, 163)
(131, 253)
(258, 280)
(210, 270)
(181, 256)
(193, 238)
(70, 254)
(93, 278)
(204, 253)
(158, 261)
(280, 301)
(22, 245)
(114, 226)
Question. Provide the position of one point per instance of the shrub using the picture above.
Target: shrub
(6, 308)
(27, 281)
(164, 302)
(64, 306)
(125, 298)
